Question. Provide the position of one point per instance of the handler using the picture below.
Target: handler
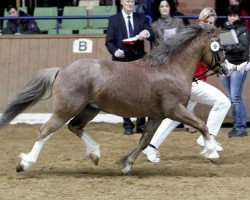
(201, 92)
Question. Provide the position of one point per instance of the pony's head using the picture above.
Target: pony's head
(213, 55)
(189, 38)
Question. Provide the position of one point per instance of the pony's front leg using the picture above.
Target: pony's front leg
(29, 159)
(127, 162)
(186, 117)
(209, 150)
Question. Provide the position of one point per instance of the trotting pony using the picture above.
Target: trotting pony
(158, 87)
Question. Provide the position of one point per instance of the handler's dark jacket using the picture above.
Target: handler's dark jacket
(23, 26)
(238, 53)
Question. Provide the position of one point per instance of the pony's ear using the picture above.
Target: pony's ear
(198, 28)
(208, 28)
(216, 32)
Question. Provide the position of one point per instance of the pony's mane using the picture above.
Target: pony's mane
(163, 53)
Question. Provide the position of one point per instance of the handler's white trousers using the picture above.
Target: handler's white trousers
(200, 93)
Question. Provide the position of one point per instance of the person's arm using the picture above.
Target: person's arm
(150, 35)
(31, 28)
(111, 41)
(245, 66)
(10, 29)
(242, 45)
(146, 29)
(110, 38)
(156, 41)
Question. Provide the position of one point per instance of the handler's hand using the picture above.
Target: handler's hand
(245, 66)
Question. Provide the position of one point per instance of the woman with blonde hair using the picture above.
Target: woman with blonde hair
(201, 92)
(207, 16)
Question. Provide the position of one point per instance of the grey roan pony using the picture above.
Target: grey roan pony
(157, 86)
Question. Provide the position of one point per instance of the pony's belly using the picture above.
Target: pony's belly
(129, 110)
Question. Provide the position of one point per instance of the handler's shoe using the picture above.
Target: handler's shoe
(152, 154)
(201, 142)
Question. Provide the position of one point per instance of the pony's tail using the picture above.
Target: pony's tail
(31, 94)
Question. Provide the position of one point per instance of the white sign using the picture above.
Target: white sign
(215, 46)
(229, 37)
(83, 46)
(168, 33)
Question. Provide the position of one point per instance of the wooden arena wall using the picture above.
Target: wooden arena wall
(22, 56)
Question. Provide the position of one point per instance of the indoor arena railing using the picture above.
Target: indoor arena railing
(59, 18)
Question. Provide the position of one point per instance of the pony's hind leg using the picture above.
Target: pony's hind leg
(77, 124)
(29, 159)
(127, 162)
(45, 132)
(181, 114)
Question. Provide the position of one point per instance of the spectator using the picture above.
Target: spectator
(20, 26)
(166, 24)
(237, 54)
(165, 20)
(201, 92)
(4, 4)
(244, 8)
(127, 24)
(222, 4)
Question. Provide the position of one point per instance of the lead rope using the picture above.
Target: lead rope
(204, 74)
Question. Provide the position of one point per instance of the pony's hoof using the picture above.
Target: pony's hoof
(213, 156)
(126, 167)
(215, 161)
(23, 165)
(19, 167)
(127, 173)
(94, 158)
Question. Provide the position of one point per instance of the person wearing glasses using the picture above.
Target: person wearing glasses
(201, 92)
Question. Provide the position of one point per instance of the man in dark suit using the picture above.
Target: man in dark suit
(123, 25)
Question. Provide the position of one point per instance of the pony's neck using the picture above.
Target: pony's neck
(191, 55)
